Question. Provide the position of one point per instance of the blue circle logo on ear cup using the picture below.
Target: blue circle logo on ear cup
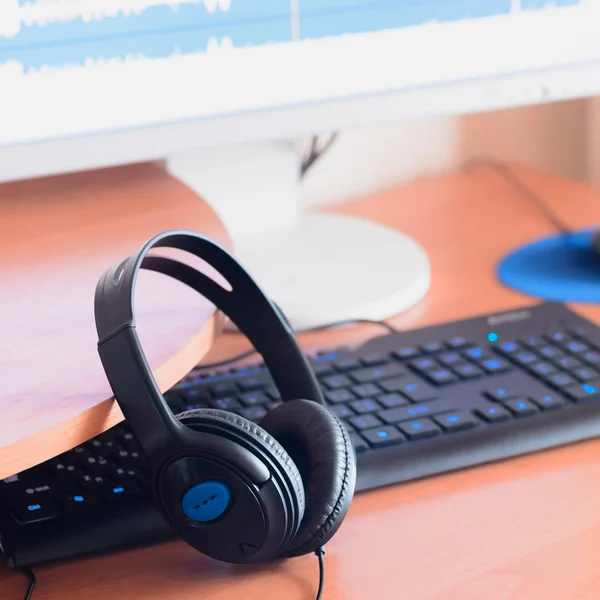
(206, 501)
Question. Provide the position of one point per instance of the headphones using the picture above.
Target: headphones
(236, 491)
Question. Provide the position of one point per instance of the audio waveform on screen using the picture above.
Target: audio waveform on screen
(46, 34)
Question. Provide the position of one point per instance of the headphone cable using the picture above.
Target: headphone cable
(320, 554)
(30, 575)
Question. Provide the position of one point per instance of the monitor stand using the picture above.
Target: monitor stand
(318, 267)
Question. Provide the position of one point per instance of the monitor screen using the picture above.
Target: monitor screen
(75, 67)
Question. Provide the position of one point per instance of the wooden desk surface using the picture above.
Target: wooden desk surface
(523, 529)
(57, 236)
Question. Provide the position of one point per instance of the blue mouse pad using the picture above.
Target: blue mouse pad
(560, 269)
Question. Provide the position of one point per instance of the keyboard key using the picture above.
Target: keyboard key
(392, 385)
(253, 413)
(586, 374)
(273, 393)
(451, 359)
(392, 400)
(224, 388)
(229, 403)
(378, 373)
(342, 411)
(405, 353)
(575, 347)
(408, 413)
(360, 444)
(591, 358)
(432, 347)
(320, 369)
(441, 376)
(493, 414)
(383, 436)
(420, 429)
(468, 371)
(417, 391)
(365, 421)
(335, 396)
(346, 363)
(561, 380)
(372, 360)
(508, 347)
(455, 421)
(336, 381)
(499, 394)
(543, 368)
(556, 336)
(249, 384)
(423, 364)
(457, 342)
(475, 353)
(533, 342)
(366, 390)
(253, 398)
(26, 511)
(549, 401)
(495, 365)
(198, 394)
(520, 407)
(584, 391)
(568, 362)
(364, 406)
(115, 493)
(525, 358)
(550, 352)
(79, 502)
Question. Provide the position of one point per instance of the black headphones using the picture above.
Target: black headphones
(235, 491)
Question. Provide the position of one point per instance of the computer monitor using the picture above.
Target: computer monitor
(221, 89)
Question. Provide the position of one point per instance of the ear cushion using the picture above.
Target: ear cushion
(203, 416)
(320, 446)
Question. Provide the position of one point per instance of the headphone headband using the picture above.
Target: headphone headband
(245, 304)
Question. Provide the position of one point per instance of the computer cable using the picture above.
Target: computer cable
(327, 327)
(320, 553)
(31, 577)
(316, 153)
(524, 191)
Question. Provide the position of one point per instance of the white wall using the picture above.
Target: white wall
(552, 137)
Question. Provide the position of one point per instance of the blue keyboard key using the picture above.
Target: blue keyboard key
(499, 394)
(584, 391)
(450, 359)
(457, 342)
(392, 400)
(521, 407)
(543, 368)
(493, 414)
(560, 380)
(468, 371)
(549, 401)
(592, 358)
(475, 353)
(455, 421)
(525, 358)
(576, 347)
(419, 429)
(495, 365)
(383, 436)
(508, 347)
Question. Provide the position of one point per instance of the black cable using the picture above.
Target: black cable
(320, 553)
(329, 326)
(29, 574)
(525, 191)
(314, 155)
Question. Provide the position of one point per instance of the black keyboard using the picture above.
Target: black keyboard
(417, 403)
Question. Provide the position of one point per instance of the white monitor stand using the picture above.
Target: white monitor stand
(318, 267)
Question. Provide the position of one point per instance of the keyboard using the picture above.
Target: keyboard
(416, 403)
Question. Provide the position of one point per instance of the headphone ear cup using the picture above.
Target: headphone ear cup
(282, 507)
(196, 419)
(320, 446)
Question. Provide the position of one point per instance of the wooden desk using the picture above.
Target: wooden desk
(57, 236)
(524, 529)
